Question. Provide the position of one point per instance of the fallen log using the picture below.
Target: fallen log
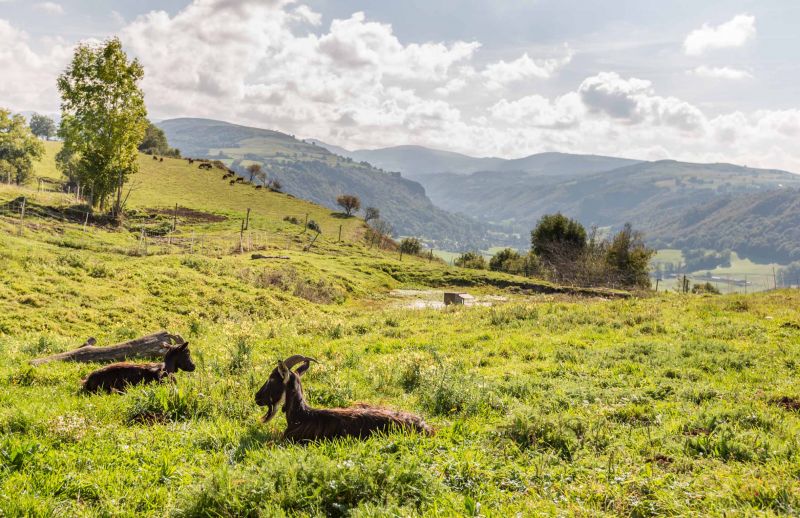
(260, 256)
(152, 346)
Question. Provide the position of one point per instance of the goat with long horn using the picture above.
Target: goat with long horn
(304, 423)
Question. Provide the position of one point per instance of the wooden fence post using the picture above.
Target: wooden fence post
(175, 218)
(85, 221)
(22, 216)
(241, 238)
(340, 233)
(247, 219)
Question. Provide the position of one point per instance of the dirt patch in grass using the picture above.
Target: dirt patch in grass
(788, 403)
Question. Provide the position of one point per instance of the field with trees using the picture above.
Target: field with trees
(545, 396)
(674, 404)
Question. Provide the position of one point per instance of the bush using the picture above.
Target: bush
(706, 287)
(471, 260)
(557, 238)
(410, 246)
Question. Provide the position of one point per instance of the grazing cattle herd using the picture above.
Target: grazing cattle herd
(208, 165)
(282, 390)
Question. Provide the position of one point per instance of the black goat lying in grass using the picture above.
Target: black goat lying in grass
(309, 424)
(117, 376)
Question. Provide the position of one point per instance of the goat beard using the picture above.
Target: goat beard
(273, 409)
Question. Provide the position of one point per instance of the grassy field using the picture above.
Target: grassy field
(759, 276)
(543, 404)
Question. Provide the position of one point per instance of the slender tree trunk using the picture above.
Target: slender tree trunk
(118, 207)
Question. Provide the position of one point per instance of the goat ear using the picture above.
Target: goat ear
(283, 370)
(183, 346)
(303, 368)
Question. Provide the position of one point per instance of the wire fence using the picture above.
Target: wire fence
(20, 212)
(735, 282)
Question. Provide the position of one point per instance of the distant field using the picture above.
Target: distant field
(758, 276)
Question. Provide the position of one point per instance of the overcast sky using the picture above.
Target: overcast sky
(699, 81)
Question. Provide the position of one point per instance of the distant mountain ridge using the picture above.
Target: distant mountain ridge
(309, 171)
(418, 162)
(677, 204)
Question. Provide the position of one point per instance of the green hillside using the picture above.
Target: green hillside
(311, 172)
(665, 199)
(542, 403)
(764, 226)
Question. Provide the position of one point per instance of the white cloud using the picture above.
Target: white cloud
(28, 78)
(721, 73)
(733, 33)
(634, 101)
(537, 111)
(49, 8)
(502, 73)
(355, 83)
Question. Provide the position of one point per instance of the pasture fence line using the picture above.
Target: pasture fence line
(146, 241)
(733, 282)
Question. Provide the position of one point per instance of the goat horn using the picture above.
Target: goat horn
(291, 361)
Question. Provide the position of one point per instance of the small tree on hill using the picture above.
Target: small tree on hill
(629, 258)
(254, 170)
(371, 213)
(103, 118)
(378, 233)
(472, 260)
(349, 203)
(410, 246)
(19, 147)
(155, 142)
(557, 238)
(42, 126)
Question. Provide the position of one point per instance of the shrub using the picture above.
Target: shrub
(313, 225)
(410, 246)
(444, 390)
(511, 261)
(471, 260)
(706, 287)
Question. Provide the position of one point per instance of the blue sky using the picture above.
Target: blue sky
(704, 81)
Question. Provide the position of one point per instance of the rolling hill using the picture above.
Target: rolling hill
(419, 162)
(763, 226)
(667, 199)
(312, 172)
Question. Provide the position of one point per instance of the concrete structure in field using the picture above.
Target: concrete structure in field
(464, 299)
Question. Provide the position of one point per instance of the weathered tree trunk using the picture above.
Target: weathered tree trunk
(152, 346)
